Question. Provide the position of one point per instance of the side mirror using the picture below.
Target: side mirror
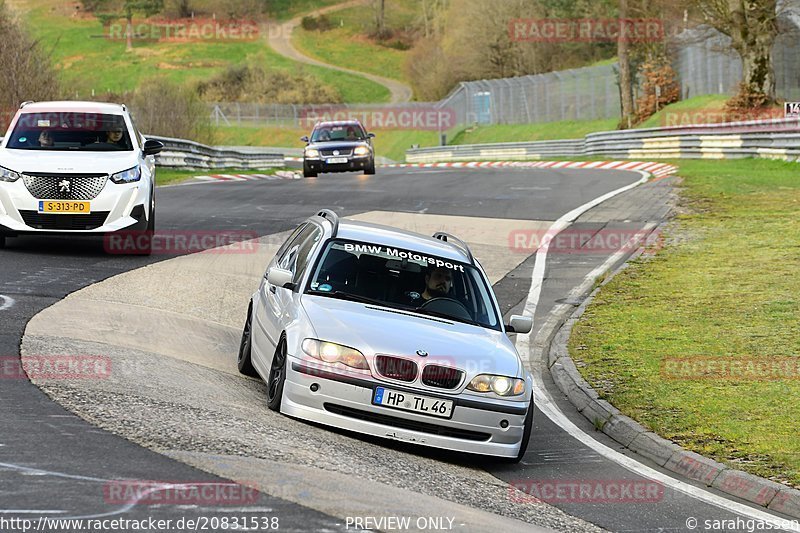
(304, 138)
(371, 135)
(280, 278)
(152, 147)
(520, 324)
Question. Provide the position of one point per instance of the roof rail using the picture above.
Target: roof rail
(23, 104)
(331, 217)
(446, 237)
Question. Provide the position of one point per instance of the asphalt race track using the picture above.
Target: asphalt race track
(200, 422)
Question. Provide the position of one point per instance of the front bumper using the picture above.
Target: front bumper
(353, 163)
(346, 402)
(117, 207)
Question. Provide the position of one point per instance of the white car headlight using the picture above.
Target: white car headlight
(361, 150)
(312, 153)
(127, 176)
(500, 385)
(8, 175)
(330, 352)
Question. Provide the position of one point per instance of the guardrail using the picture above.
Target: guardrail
(181, 153)
(777, 139)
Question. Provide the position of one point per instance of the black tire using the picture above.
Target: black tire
(308, 173)
(277, 377)
(526, 435)
(151, 227)
(371, 168)
(243, 361)
(2, 241)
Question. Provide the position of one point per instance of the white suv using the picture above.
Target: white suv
(75, 167)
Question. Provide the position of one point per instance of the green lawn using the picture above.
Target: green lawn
(388, 143)
(347, 44)
(532, 132)
(725, 287)
(87, 61)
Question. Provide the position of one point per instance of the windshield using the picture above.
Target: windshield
(342, 132)
(404, 279)
(89, 132)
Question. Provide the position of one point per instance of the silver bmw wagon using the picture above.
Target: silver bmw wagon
(389, 333)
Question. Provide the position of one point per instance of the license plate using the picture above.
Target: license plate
(335, 160)
(413, 402)
(67, 207)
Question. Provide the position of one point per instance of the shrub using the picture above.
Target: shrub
(161, 107)
(254, 84)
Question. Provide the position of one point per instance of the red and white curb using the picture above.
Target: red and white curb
(280, 175)
(657, 169)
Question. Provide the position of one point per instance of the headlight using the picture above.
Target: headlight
(361, 150)
(127, 176)
(500, 385)
(8, 175)
(330, 352)
(312, 153)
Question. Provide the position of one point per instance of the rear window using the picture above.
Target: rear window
(90, 132)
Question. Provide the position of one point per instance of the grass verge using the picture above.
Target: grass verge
(569, 129)
(725, 288)
(171, 176)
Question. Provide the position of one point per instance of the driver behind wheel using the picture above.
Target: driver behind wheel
(438, 282)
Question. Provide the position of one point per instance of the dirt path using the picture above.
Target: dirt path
(280, 39)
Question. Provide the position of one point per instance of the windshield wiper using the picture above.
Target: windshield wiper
(350, 296)
(448, 317)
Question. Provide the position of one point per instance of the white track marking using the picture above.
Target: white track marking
(140, 495)
(544, 402)
(6, 302)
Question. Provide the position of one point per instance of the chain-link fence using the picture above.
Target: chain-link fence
(703, 60)
(706, 64)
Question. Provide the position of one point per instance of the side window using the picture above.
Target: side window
(296, 254)
(304, 252)
(281, 253)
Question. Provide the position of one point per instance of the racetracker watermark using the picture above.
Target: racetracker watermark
(731, 368)
(53, 367)
(586, 30)
(181, 242)
(773, 118)
(147, 492)
(556, 491)
(583, 241)
(185, 30)
(412, 117)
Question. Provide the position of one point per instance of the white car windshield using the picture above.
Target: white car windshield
(404, 279)
(87, 132)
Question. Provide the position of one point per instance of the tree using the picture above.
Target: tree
(33, 76)
(380, 18)
(625, 96)
(143, 7)
(110, 10)
(752, 27)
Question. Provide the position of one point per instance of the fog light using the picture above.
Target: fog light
(314, 387)
(504, 424)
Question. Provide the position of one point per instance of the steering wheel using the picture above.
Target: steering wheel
(447, 306)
